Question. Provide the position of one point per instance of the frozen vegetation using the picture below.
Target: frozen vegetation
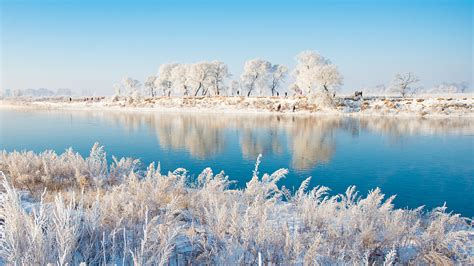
(313, 86)
(425, 105)
(64, 208)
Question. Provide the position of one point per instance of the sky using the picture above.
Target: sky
(90, 45)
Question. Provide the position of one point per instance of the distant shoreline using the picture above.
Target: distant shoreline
(460, 105)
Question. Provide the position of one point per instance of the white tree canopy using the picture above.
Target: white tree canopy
(218, 73)
(314, 74)
(180, 79)
(234, 87)
(132, 85)
(118, 88)
(199, 74)
(150, 84)
(277, 76)
(164, 81)
(255, 75)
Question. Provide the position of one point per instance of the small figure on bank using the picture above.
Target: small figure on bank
(279, 108)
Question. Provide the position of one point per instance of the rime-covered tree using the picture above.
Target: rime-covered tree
(199, 74)
(163, 81)
(118, 88)
(277, 76)
(234, 87)
(328, 77)
(255, 75)
(132, 85)
(295, 89)
(463, 86)
(314, 73)
(402, 83)
(180, 78)
(452, 87)
(150, 84)
(218, 73)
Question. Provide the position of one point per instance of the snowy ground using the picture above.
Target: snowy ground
(424, 105)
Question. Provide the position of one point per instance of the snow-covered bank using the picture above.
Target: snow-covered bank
(122, 213)
(427, 105)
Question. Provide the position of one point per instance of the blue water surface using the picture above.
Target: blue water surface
(423, 161)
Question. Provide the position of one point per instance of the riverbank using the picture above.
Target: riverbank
(460, 105)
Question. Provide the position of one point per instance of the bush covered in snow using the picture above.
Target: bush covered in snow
(121, 213)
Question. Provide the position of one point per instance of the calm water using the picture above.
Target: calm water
(423, 161)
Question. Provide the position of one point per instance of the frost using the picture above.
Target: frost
(141, 216)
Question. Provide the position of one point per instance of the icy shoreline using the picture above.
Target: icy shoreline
(422, 106)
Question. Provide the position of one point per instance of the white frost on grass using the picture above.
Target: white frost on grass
(423, 105)
(96, 213)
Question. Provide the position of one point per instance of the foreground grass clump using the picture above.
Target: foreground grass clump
(120, 213)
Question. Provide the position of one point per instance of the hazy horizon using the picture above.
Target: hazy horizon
(90, 45)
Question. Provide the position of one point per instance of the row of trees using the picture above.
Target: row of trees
(405, 85)
(313, 74)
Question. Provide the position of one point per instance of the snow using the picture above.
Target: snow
(147, 216)
(212, 224)
(450, 105)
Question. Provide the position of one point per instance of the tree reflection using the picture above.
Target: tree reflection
(309, 140)
(201, 136)
(260, 135)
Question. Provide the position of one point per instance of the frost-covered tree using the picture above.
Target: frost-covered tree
(234, 87)
(17, 93)
(463, 86)
(150, 84)
(295, 89)
(118, 88)
(277, 76)
(314, 73)
(328, 77)
(132, 85)
(402, 83)
(218, 73)
(452, 87)
(255, 75)
(180, 78)
(199, 74)
(164, 81)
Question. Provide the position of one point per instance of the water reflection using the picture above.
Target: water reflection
(308, 141)
(200, 136)
(312, 141)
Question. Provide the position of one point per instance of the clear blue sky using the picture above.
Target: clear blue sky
(92, 44)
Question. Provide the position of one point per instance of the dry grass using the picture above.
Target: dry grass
(120, 213)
